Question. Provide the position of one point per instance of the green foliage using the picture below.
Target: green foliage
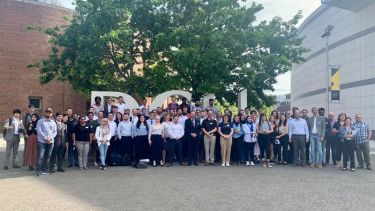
(203, 46)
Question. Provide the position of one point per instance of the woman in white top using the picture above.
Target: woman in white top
(166, 123)
(103, 136)
(249, 129)
(155, 139)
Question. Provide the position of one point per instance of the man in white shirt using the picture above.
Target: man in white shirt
(151, 120)
(298, 135)
(121, 105)
(176, 132)
(125, 134)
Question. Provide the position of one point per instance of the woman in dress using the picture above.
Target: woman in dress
(155, 139)
(32, 143)
(142, 147)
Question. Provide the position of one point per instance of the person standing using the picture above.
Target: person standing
(125, 134)
(176, 132)
(26, 121)
(31, 150)
(103, 136)
(331, 144)
(192, 130)
(249, 130)
(93, 124)
(142, 147)
(59, 145)
(155, 139)
(238, 136)
(317, 129)
(347, 135)
(264, 131)
(212, 107)
(305, 116)
(298, 136)
(225, 132)
(173, 105)
(336, 130)
(47, 131)
(14, 128)
(82, 138)
(362, 142)
(121, 105)
(98, 105)
(282, 130)
(108, 106)
(322, 112)
(166, 137)
(209, 128)
(72, 151)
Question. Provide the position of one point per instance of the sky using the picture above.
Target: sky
(285, 9)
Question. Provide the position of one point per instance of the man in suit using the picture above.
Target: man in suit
(59, 145)
(192, 131)
(14, 128)
(317, 130)
(108, 107)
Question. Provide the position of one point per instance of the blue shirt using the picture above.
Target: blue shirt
(298, 127)
(141, 131)
(46, 128)
(238, 128)
(363, 130)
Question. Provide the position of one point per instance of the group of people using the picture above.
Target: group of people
(186, 134)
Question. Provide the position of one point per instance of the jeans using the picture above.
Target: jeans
(44, 154)
(72, 154)
(323, 151)
(57, 153)
(83, 152)
(316, 149)
(103, 153)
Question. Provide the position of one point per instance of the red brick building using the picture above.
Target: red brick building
(20, 47)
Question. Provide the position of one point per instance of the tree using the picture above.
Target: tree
(203, 46)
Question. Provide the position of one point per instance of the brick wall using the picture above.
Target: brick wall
(20, 47)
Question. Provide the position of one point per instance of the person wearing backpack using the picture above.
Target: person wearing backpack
(13, 129)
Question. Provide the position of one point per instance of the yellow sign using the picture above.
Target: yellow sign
(335, 79)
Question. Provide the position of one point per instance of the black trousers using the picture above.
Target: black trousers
(307, 152)
(217, 148)
(57, 153)
(348, 149)
(284, 142)
(111, 148)
(125, 145)
(156, 148)
(201, 148)
(193, 144)
(249, 151)
(236, 150)
(264, 146)
(142, 148)
(173, 145)
(339, 149)
(331, 146)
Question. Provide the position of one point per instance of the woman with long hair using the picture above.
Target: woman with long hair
(282, 137)
(249, 129)
(336, 129)
(118, 118)
(347, 138)
(103, 136)
(155, 139)
(225, 132)
(237, 140)
(142, 147)
(166, 123)
(264, 131)
(273, 125)
(32, 142)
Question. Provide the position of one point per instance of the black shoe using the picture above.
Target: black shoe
(369, 168)
(195, 164)
(169, 165)
(52, 171)
(213, 164)
(16, 166)
(5, 167)
(206, 164)
(189, 164)
(360, 167)
(76, 164)
(31, 168)
(60, 170)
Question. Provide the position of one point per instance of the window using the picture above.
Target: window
(36, 102)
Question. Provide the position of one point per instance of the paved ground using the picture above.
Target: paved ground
(189, 188)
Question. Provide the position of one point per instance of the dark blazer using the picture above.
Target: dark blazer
(189, 128)
(106, 111)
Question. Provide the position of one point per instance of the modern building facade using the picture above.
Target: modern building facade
(20, 47)
(351, 49)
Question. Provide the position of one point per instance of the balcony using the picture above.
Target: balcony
(352, 5)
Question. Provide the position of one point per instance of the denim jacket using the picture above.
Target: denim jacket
(343, 131)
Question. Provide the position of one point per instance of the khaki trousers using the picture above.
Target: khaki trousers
(209, 148)
(226, 146)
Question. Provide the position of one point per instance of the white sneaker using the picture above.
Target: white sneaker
(247, 163)
(95, 164)
(228, 164)
(252, 163)
(223, 164)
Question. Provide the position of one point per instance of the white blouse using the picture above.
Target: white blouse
(100, 137)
